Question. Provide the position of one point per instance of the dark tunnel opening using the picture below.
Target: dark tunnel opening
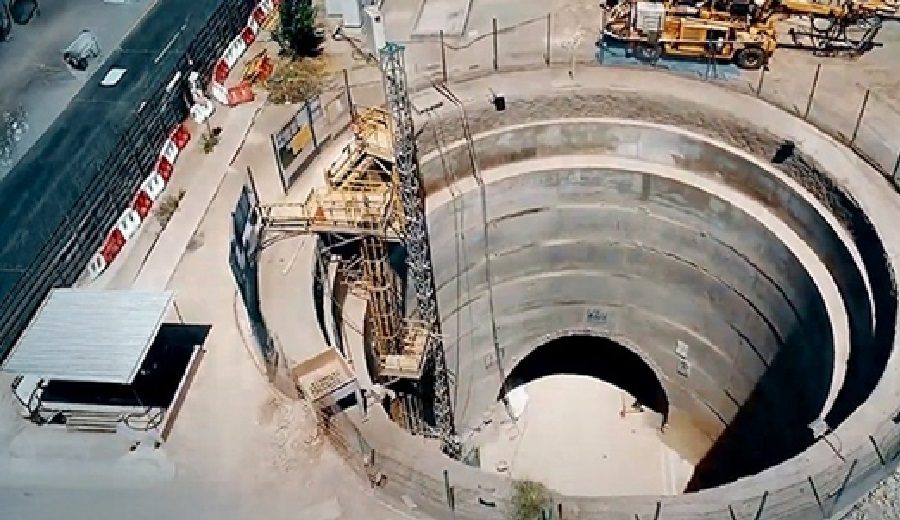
(592, 356)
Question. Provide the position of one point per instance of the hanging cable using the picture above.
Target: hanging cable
(459, 239)
(476, 174)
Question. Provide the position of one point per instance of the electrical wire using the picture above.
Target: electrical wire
(476, 174)
(461, 259)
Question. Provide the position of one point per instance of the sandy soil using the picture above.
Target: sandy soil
(573, 438)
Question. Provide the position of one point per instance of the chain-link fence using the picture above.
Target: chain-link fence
(829, 99)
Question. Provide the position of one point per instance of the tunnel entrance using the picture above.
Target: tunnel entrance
(584, 415)
(592, 356)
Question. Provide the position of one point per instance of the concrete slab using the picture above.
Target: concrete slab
(451, 16)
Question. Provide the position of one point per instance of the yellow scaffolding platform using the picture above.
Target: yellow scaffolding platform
(360, 198)
(360, 207)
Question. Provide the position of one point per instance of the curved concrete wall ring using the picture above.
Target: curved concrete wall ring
(721, 269)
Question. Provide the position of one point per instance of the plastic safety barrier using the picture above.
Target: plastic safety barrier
(238, 46)
(130, 221)
(152, 187)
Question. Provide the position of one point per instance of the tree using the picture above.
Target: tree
(297, 33)
(295, 81)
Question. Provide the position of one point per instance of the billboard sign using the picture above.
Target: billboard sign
(298, 140)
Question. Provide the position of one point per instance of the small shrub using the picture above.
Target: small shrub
(529, 500)
(210, 141)
(167, 207)
(296, 80)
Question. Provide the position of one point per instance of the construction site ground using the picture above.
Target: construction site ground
(239, 448)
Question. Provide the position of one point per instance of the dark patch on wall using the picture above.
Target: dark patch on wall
(772, 424)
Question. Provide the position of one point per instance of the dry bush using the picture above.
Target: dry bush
(529, 500)
(296, 80)
(167, 207)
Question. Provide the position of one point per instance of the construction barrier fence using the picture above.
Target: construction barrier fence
(297, 142)
(243, 259)
(396, 477)
(864, 119)
(108, 210)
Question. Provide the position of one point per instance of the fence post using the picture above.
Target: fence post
(897, 166)
(279, 166)
(862, 110)
(762, 504)
(812, 91)
(762, 75)
(253, 184)
(350, 105)
(447, 488)
(840, 491)
(452, 499)
(547, 56)
(816, 494)
(877, 450)
(443, 57)
(731, 512)
(496, 65)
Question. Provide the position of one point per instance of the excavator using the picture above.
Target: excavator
(742, 31)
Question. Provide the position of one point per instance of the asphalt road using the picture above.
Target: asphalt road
(33, 76)
(63, 182)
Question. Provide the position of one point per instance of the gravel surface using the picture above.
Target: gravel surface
(883, 502)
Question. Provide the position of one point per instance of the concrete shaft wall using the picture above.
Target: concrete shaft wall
(653, 261)
(650, 262)
(849, 241)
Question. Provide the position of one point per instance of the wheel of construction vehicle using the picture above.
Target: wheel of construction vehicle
(750, 58)
(648, 52)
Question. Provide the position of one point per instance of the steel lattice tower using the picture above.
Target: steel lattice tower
(421, 272)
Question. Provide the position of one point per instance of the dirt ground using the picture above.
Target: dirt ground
(573, 437)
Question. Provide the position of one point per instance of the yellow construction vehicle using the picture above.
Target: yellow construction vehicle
(653, 29)
(849, 27)
(743, 31)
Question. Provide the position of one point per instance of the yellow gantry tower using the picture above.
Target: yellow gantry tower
(360, 198)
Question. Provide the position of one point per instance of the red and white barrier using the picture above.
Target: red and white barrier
(238, 46)
(130, 220)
